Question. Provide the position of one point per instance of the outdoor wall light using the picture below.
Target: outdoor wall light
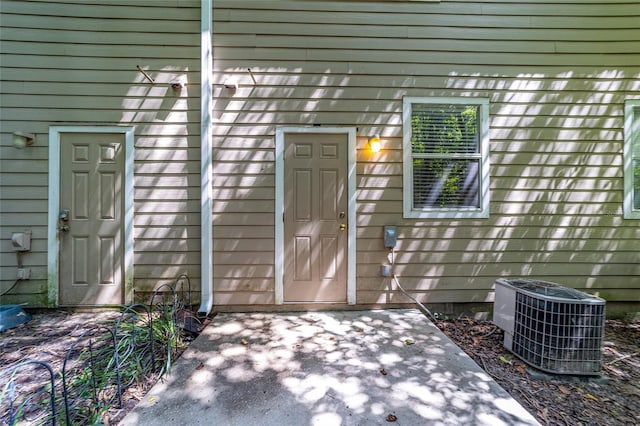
(22, 140)
(375, 144)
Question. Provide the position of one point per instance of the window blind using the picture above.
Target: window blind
(445, 146)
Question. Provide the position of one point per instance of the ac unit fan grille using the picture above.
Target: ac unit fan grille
(559, 336)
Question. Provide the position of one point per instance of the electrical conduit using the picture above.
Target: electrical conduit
(395, 280)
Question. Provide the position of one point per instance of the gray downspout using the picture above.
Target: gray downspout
(206, 153)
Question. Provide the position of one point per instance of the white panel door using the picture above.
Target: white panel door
(315, 217)
(92, 238)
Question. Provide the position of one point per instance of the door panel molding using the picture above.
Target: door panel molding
(53, 258)
(351, 203)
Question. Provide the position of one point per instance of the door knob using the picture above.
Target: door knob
(63, 220)
(343, 226)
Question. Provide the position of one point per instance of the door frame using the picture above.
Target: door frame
(350, 132)
(53, 259)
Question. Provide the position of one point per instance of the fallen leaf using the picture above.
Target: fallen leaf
(521, 369)
(391, 418)
(544, 414)
(152, 399)
(359, 330)
(565, 390)
(408, 342)
(505, 359)
(244, 342)
(383, 371)
(200, 366)
(591, 397)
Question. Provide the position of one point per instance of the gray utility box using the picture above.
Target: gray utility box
(554, 328)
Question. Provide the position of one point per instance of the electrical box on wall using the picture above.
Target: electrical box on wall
(390, 236)
(21, 241)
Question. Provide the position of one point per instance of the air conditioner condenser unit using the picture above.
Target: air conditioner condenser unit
(554, 328)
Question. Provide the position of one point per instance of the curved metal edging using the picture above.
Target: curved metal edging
(52, 393)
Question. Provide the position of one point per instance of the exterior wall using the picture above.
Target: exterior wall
(74, 63)
(556, 75)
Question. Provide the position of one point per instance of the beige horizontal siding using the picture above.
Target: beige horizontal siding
(432, 31)
(422, 45)
(556, 75)
(74, 63)
(131, 11)
(243, 298)
(132, 52)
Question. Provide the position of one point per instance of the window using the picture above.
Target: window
(632, 159)
(446, 157)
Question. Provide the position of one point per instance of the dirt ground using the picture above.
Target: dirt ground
(611, 399)
(48, 336)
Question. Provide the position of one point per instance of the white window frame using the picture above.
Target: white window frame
(631, 145)
(451, 212)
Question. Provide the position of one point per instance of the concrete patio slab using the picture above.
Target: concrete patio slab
(326, 368)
